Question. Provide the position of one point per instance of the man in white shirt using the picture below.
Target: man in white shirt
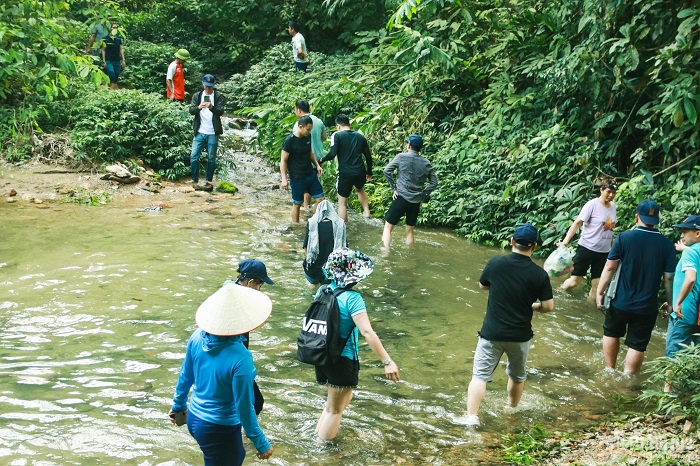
(301, 55)
(207, 106)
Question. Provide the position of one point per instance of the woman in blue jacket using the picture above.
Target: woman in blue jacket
(221, 369)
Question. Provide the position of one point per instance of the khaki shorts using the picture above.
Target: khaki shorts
(489, 353)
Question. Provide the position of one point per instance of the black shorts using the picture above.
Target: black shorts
(637, 326)
(400, 207)
(343, 374)
(586, 258)
(345, 183)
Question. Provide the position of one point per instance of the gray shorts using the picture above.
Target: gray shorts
(488, 354)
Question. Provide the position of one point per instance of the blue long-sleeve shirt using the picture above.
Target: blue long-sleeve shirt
(222, 372)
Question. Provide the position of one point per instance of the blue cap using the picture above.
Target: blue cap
(208, 80)
(690, 223)
(525, 235)
(253, 268)
(648, 212)
(415, 141)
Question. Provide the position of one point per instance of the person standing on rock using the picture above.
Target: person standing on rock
(304, 169)
(207, 106)
(175, 77)
(408, 188)
(301, 55)
(517, 288)
(645, 257)
(353, 152)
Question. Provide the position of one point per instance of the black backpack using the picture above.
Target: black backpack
(319, 342)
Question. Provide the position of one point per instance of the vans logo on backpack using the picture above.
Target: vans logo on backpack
(319, 341)
(316, 326)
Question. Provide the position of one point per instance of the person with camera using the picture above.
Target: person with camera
(207, 106)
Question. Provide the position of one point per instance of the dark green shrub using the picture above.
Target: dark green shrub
(147, 65)
(111, 126)
(683, 374)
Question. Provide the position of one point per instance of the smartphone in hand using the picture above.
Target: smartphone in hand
(206, 98)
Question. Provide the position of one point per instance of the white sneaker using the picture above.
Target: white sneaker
(470, 420)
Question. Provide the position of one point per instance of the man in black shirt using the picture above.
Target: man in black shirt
(350, 147)
(515, 285)
(299, 159)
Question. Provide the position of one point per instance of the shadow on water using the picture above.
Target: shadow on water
(96, 305)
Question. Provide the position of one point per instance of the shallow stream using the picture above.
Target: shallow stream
(96, 305)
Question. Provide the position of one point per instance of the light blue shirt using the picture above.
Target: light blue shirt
(222, 372)
(316, 135)
(690, 259)
(350, 303)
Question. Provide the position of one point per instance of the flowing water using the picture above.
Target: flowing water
(97, 303)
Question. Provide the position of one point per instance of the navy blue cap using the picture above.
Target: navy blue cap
(648, 212)
(525, 235)
(253, 268)
(208, 80)
(690, 223)
(415, 141)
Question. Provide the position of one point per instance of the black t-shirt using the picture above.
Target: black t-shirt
(112, 45)
(299, 161)
(325, 247)
(350, 147)
(515, 282)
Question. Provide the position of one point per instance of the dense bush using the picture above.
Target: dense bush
(110, 126)
(683, 374)
(147, 65)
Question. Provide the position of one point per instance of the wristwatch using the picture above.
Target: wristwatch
(387, 361)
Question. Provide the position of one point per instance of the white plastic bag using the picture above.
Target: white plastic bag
(560, 261)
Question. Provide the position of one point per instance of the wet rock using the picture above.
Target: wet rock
(11, 192)
(161, 204)
(10, 200)
(119, 174)
(204, 187)
(688, 427)
(66, 190)
(186, 189)
(226, 187)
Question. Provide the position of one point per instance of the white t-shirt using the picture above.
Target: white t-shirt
(598, 224)
(206, 126)
(298, 41)
(171, 70)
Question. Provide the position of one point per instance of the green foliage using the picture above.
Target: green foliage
(683, 374)
(226, 187)
(85, 197)
(110, 126)
(147, 65)
(525, 448)
(38, 55)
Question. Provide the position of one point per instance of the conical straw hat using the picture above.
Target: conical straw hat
(233, 310)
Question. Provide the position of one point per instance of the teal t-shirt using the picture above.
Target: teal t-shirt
(350, 303)
(316, 135)
(690, 259)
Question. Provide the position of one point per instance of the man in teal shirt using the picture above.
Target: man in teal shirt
(318, 134)
(683, 323)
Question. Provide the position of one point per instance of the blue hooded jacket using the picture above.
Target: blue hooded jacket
(222, 372)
